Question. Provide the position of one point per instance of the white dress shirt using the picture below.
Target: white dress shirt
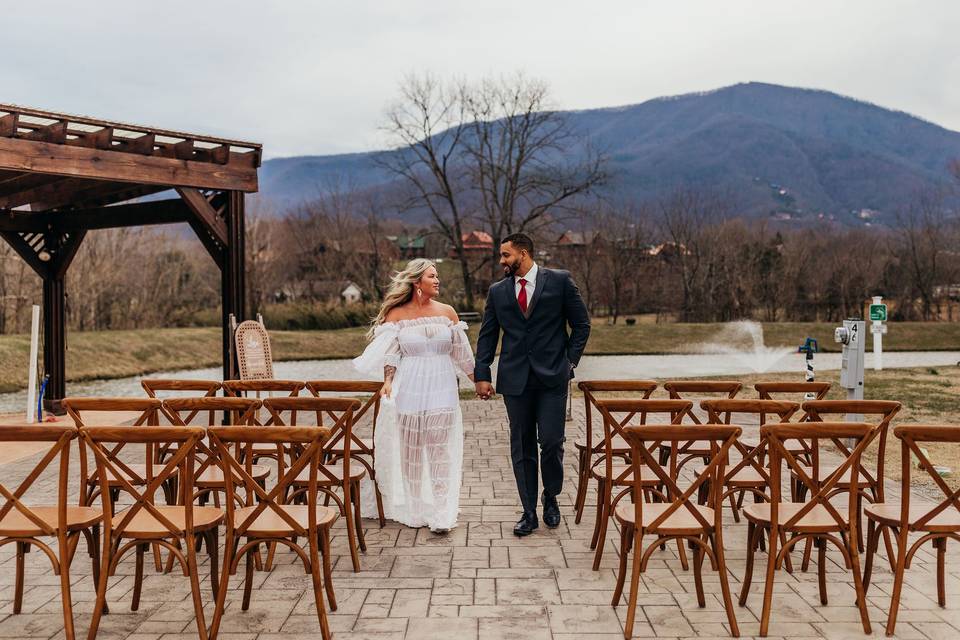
(531, 278)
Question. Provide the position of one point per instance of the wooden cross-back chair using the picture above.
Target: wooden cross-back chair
(870, 488)
(266, 518)
(342, 474)
(25, 525)
(749, 474)
(363, 449)
(817, 519)
(588, 447)
(202, 388)
(148, 411)
(262, 389)
(679, 517)
(936, 522)
(208, 477)
(696, 390)
(800, 391)
(174, 527)
(613, 470)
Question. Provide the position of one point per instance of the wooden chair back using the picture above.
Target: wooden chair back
(153, 386)
(149, 410)
(307, 445)
(720, 437)
(369, 408)
(244, 388)
(180, 466)
(819, 489)
(911, 437)
(695, 390)
(591, 388)
(60, 438)
(882, 413)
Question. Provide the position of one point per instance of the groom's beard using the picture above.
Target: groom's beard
(510, 270)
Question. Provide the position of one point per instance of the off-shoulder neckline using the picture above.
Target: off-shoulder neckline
(421, 320)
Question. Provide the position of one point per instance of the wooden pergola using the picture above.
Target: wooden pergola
(63, 175)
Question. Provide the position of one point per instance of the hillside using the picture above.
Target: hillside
(774, 149)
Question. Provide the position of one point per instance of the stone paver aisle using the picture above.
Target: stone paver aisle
(479, 581)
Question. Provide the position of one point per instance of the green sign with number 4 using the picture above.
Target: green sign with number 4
(878, 312)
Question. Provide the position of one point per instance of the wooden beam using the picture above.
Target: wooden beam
(80, 162)
(21, 190)
(8, 125)
(69, 245)
(206, 213)
(170, 211)
(101, 139)
(142, 145)
(218, 155)
(55, 133)
(84, 194)
(20, 245)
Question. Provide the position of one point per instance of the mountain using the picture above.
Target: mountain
(794, 153)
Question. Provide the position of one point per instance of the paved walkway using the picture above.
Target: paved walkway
(479, 581)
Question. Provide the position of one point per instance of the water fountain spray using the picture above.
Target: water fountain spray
(809, 347)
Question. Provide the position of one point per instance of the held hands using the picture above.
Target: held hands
(484, 390)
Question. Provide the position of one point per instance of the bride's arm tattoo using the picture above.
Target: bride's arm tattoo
(388, 373)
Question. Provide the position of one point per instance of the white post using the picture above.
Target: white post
(877, 339)
(32, 366)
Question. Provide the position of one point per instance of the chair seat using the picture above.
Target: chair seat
(336, 470)
(889, 513)
(17, 524)
(619, 444)
(818, 520)
(138, 468)
(270, 524)
(622, 471)
(680, 522)
(212, 476)
(365, 447)
(145, 525)
(746, 477)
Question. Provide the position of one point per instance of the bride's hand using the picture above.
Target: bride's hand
(387, 389)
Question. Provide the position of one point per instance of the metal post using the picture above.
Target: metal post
(809, 347)
(878, 313)
(32, 366)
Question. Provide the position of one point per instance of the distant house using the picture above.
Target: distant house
(339, 291)
(476, 244)
(410, 247)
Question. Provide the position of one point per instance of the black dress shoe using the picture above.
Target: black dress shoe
(551, 511)
(527, 524)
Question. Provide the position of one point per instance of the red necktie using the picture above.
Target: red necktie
(522, 296)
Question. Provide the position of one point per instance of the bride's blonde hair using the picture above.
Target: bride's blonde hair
(401, 289)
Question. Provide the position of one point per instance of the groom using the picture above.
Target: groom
(532, 306)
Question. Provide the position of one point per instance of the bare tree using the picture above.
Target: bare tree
(922, 227)
(427, 126)
(517, 151)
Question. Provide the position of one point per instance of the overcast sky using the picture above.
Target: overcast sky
(315, 77)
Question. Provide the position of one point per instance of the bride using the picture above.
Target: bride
(417, 344)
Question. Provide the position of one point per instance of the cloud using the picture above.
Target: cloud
(314, 77)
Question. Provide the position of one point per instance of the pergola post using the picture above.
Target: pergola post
(233, 286)
(54, 342)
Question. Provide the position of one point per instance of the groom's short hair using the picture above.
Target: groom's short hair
(520, 241)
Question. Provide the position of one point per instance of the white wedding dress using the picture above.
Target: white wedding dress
(419, 438)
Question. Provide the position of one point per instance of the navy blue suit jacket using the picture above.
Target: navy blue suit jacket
(538, 342)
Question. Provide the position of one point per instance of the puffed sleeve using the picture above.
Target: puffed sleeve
(383, 350)
(462, 353)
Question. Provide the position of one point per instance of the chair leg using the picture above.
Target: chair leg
(347, 512)
(821, 545)
(768, 587)
(897, 582)
(717, 544)
(100, 606)
(248, 579)
(941, 545)
(634, 583)
(583, 481)
(327, 572)
(191, 545)
(601, 490)
(873, 542)
(212, 539)
(858, 585)
(626, 538)
(22, 549)
(698, 575)
(93, 550)
(603, 518)
(138, 578)
(315, 570)
(229, 549)
(67, 601)
(376, 491)
(748, 571)
(361, 540)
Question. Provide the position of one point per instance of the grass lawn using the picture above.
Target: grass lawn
(113, 354)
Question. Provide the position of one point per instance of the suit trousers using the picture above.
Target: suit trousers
(537, 416)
